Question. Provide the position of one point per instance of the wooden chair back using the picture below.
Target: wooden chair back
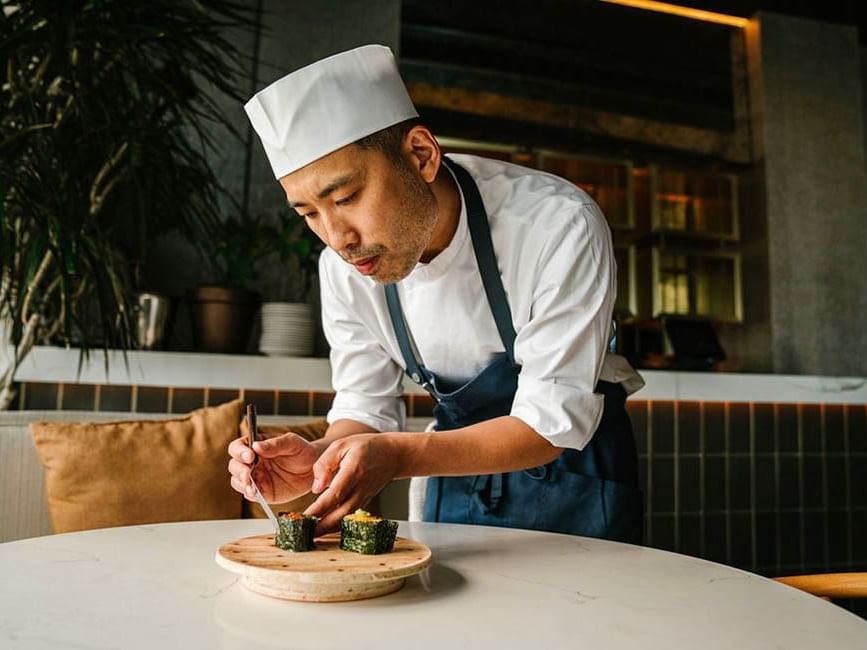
(830, 585)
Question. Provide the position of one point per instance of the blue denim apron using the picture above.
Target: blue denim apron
(593, 492)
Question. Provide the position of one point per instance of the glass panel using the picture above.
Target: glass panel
(715, 287)
(674, 283)
(699, 203)
(606, 182)
(624, 273)
(699, 285)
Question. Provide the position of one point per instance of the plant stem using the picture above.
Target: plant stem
(34, 284)
(58, 322)
(7, 393)
(97, 198)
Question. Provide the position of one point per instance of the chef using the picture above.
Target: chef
(491, 285)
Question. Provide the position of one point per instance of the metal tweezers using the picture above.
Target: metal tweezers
(254, 436)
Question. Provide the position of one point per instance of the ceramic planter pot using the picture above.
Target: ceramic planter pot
(222, 318)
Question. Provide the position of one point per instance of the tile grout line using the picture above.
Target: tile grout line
(676, 478)
(728, 480)
(847, 470)
(801, 517)
(778, 520)
(649, 497)
(702, 541)
(754, 546)
(826, 533)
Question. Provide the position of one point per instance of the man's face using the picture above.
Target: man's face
(377, 215)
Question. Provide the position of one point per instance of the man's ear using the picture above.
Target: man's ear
(423, 152)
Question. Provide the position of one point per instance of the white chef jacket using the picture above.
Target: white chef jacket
(554, 251)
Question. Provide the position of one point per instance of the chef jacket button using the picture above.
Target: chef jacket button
(415, 377)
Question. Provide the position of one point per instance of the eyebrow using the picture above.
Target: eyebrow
(334, 185)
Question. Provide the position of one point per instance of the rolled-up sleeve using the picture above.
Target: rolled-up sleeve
(366, 381)
(562, 346)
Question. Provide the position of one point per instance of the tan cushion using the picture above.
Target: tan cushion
(122, 473)
(309, 431)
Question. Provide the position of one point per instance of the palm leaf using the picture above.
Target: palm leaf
(83, 79)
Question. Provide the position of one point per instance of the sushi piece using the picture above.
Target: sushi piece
(296, 532)
(362, 532)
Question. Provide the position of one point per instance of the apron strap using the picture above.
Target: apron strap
(416, 371)
(483, 246)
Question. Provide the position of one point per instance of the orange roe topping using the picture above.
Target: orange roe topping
(292, 515)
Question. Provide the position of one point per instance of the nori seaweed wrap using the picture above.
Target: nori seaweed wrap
(362, 532)
(296, 532)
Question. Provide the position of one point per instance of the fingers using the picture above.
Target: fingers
(341, 498)
(333, 505)
(337, 494)
(331, 522)
(344, 480)
(239, 450)
(246, 492)
(288, 444)
(241, 478)
(326, 467)
(284, 470)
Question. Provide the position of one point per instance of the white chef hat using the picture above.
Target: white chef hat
(327, 105)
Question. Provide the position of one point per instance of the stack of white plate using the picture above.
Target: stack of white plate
(287, 329)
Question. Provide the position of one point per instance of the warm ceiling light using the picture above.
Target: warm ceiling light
(686, 12)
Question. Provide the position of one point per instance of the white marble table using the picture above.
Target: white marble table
(158, 587)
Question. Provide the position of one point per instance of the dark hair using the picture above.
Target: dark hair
(389, 140)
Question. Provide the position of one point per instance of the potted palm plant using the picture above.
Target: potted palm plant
(108, 118)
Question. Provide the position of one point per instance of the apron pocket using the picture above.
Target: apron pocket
(540, 473)
(558, 501)
(587, 505)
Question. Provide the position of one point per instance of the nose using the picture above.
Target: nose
(340, 234)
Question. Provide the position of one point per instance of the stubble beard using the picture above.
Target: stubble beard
(415, 219)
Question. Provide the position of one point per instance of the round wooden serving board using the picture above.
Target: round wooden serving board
(327, 574)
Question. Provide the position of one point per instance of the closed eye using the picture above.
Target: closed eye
(347, 200)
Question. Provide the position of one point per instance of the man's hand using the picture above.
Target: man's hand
(350, 473)
(284, 471)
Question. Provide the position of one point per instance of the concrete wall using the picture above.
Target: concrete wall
(748, 344)
(292, 35)
(864, 97)
(809, 142)
(301, 32)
